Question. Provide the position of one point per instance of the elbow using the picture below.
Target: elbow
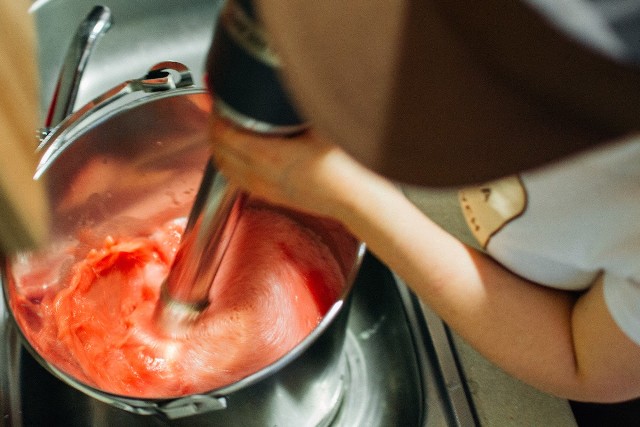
(586, 388)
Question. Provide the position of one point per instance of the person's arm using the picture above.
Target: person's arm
(556, 341)
(559, 342)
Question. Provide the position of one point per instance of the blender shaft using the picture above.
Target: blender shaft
(211, 223)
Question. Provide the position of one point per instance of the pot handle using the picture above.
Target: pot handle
(161, 77)
(192, 405)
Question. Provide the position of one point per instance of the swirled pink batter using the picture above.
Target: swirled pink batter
(88, 311)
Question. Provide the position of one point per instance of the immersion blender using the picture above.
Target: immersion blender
(242, 74)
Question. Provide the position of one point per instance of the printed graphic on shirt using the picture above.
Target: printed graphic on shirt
(489, 207)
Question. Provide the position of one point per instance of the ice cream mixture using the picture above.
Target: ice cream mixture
(87, 307)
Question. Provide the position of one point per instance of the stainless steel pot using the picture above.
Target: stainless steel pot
(149, 134)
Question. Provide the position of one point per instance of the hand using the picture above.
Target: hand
(305, 172)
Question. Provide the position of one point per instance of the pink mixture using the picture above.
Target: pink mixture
(89, 311)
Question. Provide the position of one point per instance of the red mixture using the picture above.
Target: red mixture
(89, 311)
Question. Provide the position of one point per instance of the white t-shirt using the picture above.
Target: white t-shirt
(569, 223)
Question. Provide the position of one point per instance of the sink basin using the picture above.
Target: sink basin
(401, 364)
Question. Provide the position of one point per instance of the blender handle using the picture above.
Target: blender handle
(243, 75)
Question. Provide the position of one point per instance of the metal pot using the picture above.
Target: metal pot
(149, 134)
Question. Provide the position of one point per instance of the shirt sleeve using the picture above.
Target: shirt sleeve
(622, 297)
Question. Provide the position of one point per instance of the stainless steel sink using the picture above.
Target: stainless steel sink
(402, 367)
(143, 34)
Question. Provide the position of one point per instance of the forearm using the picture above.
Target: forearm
(524, 328)
(553, 340)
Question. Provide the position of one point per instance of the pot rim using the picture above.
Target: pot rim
(66, 133)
